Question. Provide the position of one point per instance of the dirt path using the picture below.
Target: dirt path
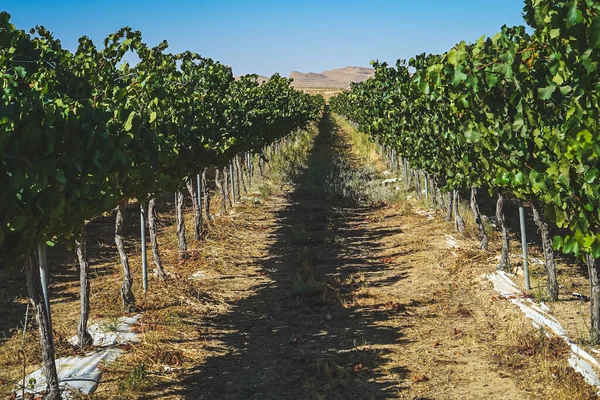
(341, 301)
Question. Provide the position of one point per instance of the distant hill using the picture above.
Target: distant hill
(336, 78)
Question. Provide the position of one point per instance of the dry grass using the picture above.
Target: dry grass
(526, 349)
(458, 303)
(363, 149)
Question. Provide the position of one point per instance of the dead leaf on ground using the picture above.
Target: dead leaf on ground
(463, 312)
(125, 347)
(390, 305)
(417, 378)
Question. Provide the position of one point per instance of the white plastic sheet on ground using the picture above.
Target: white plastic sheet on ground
(198, 275)
(109, 334)
(82, 374)
(451, 241)
(75, 374)
(536, 260)
(581, 361)
(429, 214)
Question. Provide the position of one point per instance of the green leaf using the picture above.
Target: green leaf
(472, 137)
(129, 122)
(574, 16)
(518, 123)
(591, 175)
(537, 181)
(519, 178)
(557, 242)
(546, 93)
(152, 116)
(560, 216)
(558, 79)
(553, 170)
(570, 245)
(21, 72)
(585, 136)
(456, 56)
(565, 89)
(594, 33)
(459, 75)
(595, 248)
(492, 79)
(588, 63)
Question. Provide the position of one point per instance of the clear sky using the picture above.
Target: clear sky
(265, 37)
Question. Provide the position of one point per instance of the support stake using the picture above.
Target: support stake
(199, 184)
(144, 255)
(524, 245)
(43, 263)
(231, 181)
(426, 189)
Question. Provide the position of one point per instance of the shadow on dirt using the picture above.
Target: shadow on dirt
(303, 335)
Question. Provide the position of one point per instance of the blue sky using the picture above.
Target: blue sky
(265, 37)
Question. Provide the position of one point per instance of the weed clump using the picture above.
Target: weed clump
(308, 286)
(299, 235)
(110, 325)
(135, 379)
(265, 190)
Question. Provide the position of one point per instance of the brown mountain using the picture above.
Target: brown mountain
(335, 78)
(262, 79)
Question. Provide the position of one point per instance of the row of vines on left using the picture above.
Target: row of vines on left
(83, 132)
